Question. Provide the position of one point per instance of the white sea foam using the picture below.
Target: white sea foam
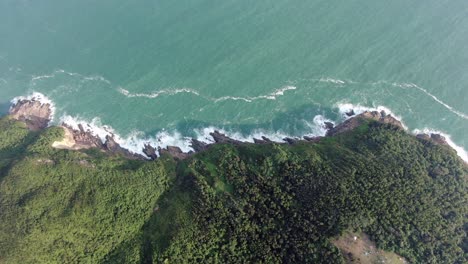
(157, 93)
(318, 127)
(331, 80)
(204, 135)
(136, 140)
(344, 108)
(415, 86)
(56, 73)
(450, 108)
(271, 96)
(36, 96)
(460, 151)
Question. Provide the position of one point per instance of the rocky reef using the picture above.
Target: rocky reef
(37, 115)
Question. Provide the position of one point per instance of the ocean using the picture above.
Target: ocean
(162, 71)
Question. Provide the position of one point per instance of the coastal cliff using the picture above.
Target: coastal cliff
(37, 115)
(69, 196)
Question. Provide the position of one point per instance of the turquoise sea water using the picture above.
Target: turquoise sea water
(162, 70)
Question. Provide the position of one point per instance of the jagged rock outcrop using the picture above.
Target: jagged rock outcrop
(264, 140)
(198, 146)
(329, 125)
(111, 146)
(221, 138)
(290, 141)
(35, 114)
(357, 120)
(76, 139)
(434, 138)
(312, 139)
(350, 113)
(174, 152)
(150, 151)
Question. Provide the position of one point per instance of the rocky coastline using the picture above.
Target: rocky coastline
(37, 116)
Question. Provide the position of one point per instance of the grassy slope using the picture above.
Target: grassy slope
(253, 203)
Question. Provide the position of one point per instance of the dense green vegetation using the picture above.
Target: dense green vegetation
(232, 204)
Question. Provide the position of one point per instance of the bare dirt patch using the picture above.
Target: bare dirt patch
(358, 248)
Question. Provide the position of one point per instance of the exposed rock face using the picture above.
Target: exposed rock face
(264, 140)
(329, 125)
(114, 148)
(312, 139)
(434, 138)
(35, 114)
(83, 139)
(423, 136)
(150, 151)
(290, 141)
(356, 121)
(221, 138)
(198, 146)
(439, 139)
(174, 152)
(350, 113)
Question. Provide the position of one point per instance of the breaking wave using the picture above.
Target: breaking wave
(271, 96)
(158, 93)
(59, 72)
(136, 140)
(345, 108)
(415, 86)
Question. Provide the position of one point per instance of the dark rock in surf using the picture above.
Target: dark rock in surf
(111, 146)
(198, 146)
(264, 140)
(221, 138)
(150, 151)
(174, 152)
(350, 113)
(290, 141)
(329, 125)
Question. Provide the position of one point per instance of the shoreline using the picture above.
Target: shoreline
(37, 111)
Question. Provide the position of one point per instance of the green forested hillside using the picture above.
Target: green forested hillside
(272, 203)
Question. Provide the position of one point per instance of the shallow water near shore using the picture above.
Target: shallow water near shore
(161, 71)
